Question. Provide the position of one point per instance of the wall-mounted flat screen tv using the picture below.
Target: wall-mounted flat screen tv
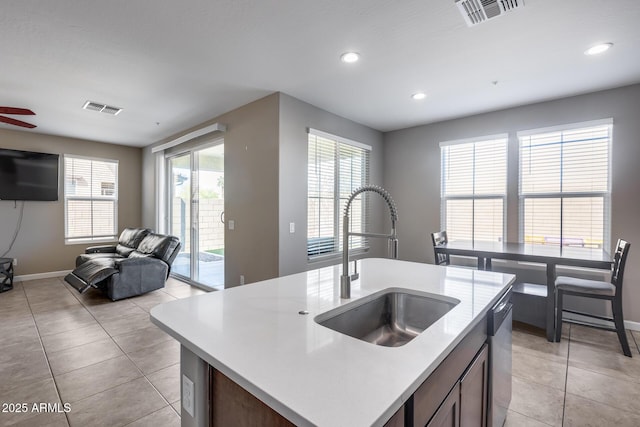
(27, 175)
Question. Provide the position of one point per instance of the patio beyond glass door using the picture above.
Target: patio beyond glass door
(179, 205)
(197, 214)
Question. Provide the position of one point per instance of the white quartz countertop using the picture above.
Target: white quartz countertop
(311, 374)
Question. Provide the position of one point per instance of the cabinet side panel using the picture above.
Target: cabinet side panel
(231, 405)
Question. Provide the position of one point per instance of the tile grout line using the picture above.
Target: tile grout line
(110, 338)
(566, 375)
(130, 360)
(44, 351)
(633, 337)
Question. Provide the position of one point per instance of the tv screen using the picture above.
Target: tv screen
(26, 175)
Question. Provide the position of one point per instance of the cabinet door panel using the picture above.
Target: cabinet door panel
(434, 390)
(448, 414)
(397, 420)
(473, 391)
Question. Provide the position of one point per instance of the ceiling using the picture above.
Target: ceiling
(172, 65)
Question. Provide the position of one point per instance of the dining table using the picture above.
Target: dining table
(550, 255)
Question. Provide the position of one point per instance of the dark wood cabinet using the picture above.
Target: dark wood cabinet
(464, 372)
(430, 395)
(473, 391)
(232, 405)
(397, 420)
(466, 403)
(448, 414)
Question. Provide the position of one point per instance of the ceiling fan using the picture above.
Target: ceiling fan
(17, 112)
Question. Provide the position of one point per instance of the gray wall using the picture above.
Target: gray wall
(40, 246)
(266, 184)
(295, 119)
(412, 169)
(251, 189)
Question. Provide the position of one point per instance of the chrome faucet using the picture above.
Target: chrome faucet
(345, 278)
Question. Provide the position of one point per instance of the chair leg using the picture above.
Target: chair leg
(618, 320)
(558, 315)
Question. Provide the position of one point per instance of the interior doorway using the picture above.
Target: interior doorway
(196, 213)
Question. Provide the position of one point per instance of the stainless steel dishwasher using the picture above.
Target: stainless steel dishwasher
(499, 331)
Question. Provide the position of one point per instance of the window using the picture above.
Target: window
(90, 199)
(336, 168)
(565, 185)
(474, 187)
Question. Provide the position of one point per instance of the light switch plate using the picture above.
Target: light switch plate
(292, 227)
(188, 397)
(232, 224)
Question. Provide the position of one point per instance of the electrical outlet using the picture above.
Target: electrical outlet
(188, 393)
(242, 279)
(15, 262)
(292, 227)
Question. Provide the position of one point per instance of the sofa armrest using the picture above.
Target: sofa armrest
(137, 276)
(104, 249)
(148, 266)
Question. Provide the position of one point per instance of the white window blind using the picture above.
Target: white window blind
(90, 198)
(565, 185)
(336, 167)
(474, 187)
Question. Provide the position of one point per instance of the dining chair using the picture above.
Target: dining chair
(611, 291)
(440, 238)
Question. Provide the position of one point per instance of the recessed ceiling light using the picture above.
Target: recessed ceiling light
(350, 57)
(599, 48)
(418, 96)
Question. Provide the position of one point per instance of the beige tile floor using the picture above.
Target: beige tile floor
(114, 368)
(105, 359)
(583, 381)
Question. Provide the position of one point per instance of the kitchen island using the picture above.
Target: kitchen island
(264, 338)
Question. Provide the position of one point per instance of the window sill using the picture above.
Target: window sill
(96, 241)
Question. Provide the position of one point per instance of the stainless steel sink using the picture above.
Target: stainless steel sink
(390, 318)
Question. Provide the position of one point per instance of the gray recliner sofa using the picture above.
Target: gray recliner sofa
(139, 263)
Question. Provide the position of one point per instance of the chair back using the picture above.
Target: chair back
(619, 261)
(440, 238)
(129, 240)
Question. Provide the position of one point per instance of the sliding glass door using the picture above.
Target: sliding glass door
(196, 214)
(180, 211)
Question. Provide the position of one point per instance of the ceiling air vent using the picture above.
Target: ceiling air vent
(478, 11)
(95, 106)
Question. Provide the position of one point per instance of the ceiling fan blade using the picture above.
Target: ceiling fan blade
(18, 111)
(15, 122)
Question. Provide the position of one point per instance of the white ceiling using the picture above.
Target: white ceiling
(173, 64)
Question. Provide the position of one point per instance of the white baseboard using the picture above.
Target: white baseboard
(632, 326)
(46, 275)
(628, 324)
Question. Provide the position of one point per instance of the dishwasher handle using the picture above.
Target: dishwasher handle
(499, 313)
